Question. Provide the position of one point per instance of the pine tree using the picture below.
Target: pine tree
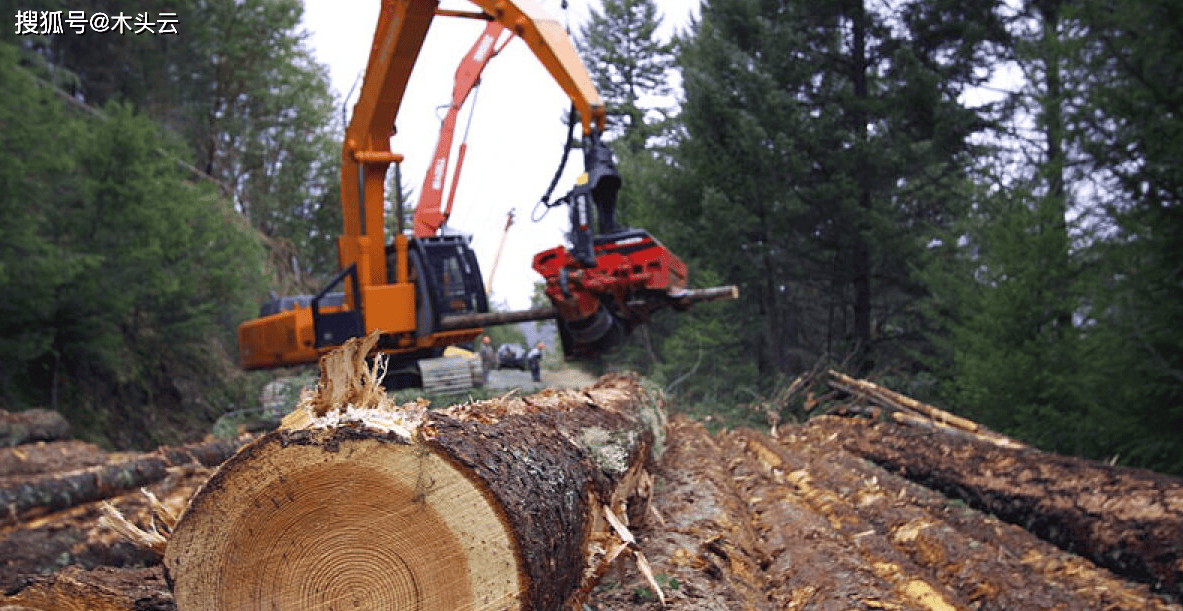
(827, 145)
(631, 68)
(1133, 132)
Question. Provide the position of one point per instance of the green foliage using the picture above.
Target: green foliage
(816, 184)
(1132, 130)
(127, 278)
(630, 66)
(266, 126)
(1057, 293)
(33, 267)
(1016, 362)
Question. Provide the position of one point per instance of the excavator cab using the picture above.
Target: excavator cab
(447, 277)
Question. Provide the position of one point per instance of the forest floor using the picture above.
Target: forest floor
(796, 517)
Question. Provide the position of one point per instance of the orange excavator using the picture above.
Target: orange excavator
(425, 293)
(431, 214)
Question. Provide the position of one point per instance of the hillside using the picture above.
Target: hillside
(800, 517)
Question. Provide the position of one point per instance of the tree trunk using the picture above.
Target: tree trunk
(103, 589)
(43, 495)
(1127, 520)
(31, 425)
(500, 504)
(49, 457)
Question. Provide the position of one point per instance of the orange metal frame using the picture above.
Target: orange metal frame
(287, 337)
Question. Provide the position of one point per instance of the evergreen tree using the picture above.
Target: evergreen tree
(123, 278)
(33, 177)
(264, 125)
(172, 271)
(630, 66)
(1133, 131)
(827, 146)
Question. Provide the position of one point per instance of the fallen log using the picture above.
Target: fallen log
(355, 502)
(1127, 520)
(31, 425)
(21, 501)
(49, 457)
(101, 589)
(992, 564)
(79, 536)
(906, 410)
(824, 555)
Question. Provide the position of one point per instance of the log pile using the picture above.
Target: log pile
(536, 502)
(1127, 520)
(39, 494)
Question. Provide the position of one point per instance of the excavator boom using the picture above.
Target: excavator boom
(414, 290)
(431, 214)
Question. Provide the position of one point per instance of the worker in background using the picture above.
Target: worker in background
(488, 357)
(534, 358)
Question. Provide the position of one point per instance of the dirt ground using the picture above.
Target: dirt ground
(560, 378)
(774, 519)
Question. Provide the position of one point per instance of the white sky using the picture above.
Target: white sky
(516, 137)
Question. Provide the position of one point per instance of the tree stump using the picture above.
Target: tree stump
(358, 504)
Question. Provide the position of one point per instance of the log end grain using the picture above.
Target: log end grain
(339, 519)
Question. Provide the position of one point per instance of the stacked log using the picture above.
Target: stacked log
(1127, 520)
(25, 498)
(517, 503)
(988, 563)
(48, 457)
(79, 537)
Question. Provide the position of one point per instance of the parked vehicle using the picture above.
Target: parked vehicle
(511, 356)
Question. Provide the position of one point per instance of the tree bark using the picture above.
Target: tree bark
(494, 505)
(43, 495)
(1127, 520)
(49, 457)
(102, 589)
(31, 425)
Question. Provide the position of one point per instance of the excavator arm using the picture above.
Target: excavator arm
(425, 293)
(430, 213)
(366, 156)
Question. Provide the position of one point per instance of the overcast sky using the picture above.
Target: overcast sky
(516, 136)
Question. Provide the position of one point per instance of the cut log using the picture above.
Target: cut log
(1127, 520)
(49, 457)
(102, 589)
(906, 410)
(357, 503)
(78, 536)
(55, 492)
(32, 425)
(993, 565)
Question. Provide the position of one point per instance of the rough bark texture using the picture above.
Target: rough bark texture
(749, 520)
(78, 537)
(41, 495)
(103, 589)
(797, 522)
(542, 469)
(48, 457)
(31, 425)
(1127, 520)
